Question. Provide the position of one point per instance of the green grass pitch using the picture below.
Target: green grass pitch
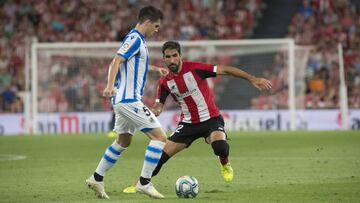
(269, 167)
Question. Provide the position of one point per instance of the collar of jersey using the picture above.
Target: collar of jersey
(137, 31)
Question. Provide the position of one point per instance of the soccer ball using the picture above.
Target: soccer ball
(187, 187)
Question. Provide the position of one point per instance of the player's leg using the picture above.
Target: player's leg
(171, 148)
(174, 144)
(217, 139)
(221, 148)
(153, 153)
(182, 138)
(146, 121)
(111, 155)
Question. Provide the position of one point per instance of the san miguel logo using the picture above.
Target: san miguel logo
(68, 122)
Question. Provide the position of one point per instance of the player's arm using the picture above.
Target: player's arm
(161, 71)
(160, 99)
(128, 49)
(113, 70)
(259, 83)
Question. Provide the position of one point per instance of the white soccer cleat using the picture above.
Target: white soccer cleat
(98, 187)
(149, 190)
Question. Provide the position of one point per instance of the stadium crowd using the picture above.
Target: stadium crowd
(100, 20)
(320, 24)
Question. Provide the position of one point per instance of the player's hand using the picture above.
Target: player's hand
(109, 92)
(261, 84)
(156, 111)
(157, 108)
(163, 71)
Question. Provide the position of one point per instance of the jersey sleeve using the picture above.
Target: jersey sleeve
(129, 47)
(205, 70)
(163, 92)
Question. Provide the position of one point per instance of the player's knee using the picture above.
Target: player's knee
(221, 148)
(163, 159)
(124, 139)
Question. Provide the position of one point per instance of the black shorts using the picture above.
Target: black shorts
(187, 133)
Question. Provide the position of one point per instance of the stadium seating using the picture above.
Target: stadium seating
(89, 21)
(322, 25)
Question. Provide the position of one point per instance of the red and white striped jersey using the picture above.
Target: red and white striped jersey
(191, 90)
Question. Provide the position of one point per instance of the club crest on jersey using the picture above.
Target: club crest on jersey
(189, 79)
(125, 47)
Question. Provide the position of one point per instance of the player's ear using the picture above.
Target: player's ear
(145, 22)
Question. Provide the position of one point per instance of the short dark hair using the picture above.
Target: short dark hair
(150, 13)
(171, 45)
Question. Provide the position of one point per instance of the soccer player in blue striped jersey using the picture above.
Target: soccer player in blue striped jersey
(125, 85)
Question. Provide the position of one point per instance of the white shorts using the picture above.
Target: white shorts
(132, 117)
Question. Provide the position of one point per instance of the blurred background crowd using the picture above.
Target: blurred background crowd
(320, 24)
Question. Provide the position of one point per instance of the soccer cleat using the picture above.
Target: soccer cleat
(130, 190)
(149, 190)
(227, 172)
(98, 187)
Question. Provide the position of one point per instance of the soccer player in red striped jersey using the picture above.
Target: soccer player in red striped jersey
(200, 117)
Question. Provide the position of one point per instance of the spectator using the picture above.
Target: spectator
(8, 96)
(306, 9)
(80, 21)
(16, 105)
(317, 84)
(324, 24)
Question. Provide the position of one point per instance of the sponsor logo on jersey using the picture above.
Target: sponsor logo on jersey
(136, 110)
(152, 120)
(185, 94)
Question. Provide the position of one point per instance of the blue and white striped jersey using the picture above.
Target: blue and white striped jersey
(131, 77)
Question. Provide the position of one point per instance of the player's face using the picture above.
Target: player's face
(172, 60)
(152, 27)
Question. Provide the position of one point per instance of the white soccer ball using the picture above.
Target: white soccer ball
(187, 187)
